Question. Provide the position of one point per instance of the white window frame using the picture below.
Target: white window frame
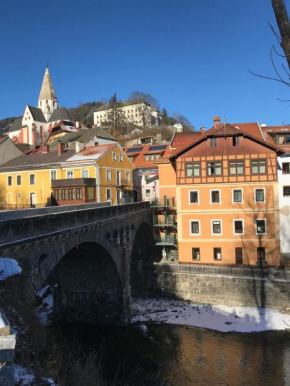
(220, 196)
(242, 220)
(85, 170)
(118, 180)
(53, 171)
(216, 234)
(147, 190)
(237, 202)
(8, 180)
(69, 172)
(259, 202)
(19, 175)
(18, 195)
(121, 157)
(114, 156)
(193, 203)
(32, 174)
(127, 176)
(199, 230)
(261, 219)
(110, 172)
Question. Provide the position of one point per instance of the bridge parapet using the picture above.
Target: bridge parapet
(19, 230)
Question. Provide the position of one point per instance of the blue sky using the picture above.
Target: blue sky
(193, 56)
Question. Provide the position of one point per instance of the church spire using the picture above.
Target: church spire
(47, 100)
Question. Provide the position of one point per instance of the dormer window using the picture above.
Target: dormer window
(213, 142)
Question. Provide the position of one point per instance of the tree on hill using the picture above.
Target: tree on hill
(116, 115)
(146, 97)
(187, 125)
(84, 113)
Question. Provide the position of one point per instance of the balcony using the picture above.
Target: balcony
(169, 240)
(165, 221)
(72, 182)
(164, 203)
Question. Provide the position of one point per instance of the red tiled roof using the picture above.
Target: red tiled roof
(180, 139)
(252, 129)
(139, 160)
(268, 130)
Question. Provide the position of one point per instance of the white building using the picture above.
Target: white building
(284, 203)
(33, 128)
(135, 111)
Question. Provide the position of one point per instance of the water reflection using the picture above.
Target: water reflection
(169, 355)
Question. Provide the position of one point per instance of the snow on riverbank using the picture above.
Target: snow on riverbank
(8, 267)
(25, 377)
(220, 318)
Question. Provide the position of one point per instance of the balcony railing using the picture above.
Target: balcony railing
(73, 182)
(164, 202)
(166, 240)
(165, 221)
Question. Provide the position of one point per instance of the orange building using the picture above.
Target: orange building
(224, 184)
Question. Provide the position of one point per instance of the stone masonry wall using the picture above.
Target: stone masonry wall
(244, 288)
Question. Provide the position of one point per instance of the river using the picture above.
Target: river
(161, 354)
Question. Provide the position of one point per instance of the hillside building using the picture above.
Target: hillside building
(135, 111)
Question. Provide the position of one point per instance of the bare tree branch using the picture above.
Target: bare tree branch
(268, 77)
(283, 25)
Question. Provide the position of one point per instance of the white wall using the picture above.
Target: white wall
(141, 184)
(284, 205)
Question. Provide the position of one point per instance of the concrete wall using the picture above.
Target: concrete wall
(214, 285)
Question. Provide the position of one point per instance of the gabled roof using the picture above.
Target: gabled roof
(180, 139)
(60, 114)
(37, 114)
(47, 90)
(222, 130)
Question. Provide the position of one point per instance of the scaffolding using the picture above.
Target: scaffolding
(165, 226)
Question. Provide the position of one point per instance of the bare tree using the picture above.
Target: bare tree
(283, 23)
(146, 97)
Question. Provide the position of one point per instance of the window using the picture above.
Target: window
(53, 174)
(19, 195)
(261, 253)
(259, 195)
(152, 157)
(213, 142)
(85, 173)
(216, 227)
(146, 157)
(9, 180)
(192, 169)
(193, 197)
(259, 166)
(195, 254)
(261, 227)
(118, 177)
(79, 194)
(121, 157)
(69, 174)
(236, 141)
(215, 197)
(147, 193)
(32, 179)
(217, 253)
(286, 167)
(194, 227)
(236, 167)
(18, 180)
(214, 168)
(238, 227)
(90, 193)
(71, 194)
(237, 195)
(108, 194)
(286, 190)
(114, 157)
(108, 174)
(127, 176)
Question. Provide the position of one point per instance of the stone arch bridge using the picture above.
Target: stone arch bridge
(86, 250)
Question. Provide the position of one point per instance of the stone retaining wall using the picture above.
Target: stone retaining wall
(244, 287)
(7, 346)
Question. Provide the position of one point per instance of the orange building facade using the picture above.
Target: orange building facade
(225, 187)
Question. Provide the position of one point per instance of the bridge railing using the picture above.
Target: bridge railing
(17, 229)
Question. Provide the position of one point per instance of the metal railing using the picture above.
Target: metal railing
(166, 240)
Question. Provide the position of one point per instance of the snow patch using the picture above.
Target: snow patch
(44, 310)
(25, 377)
(2, 322)
(8, 267)
(220, 318)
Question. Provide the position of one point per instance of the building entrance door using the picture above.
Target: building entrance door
(239, 255)
(32, 200)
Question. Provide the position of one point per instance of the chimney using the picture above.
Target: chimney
(202, 130)
(44, 149)
(60, 148)
(216, 121)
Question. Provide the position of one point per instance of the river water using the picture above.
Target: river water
(174, 355)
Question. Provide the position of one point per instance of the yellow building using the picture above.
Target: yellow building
(95, 174)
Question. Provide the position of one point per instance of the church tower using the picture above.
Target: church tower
(47, 100)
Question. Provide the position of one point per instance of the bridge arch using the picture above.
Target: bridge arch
(143, 248)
